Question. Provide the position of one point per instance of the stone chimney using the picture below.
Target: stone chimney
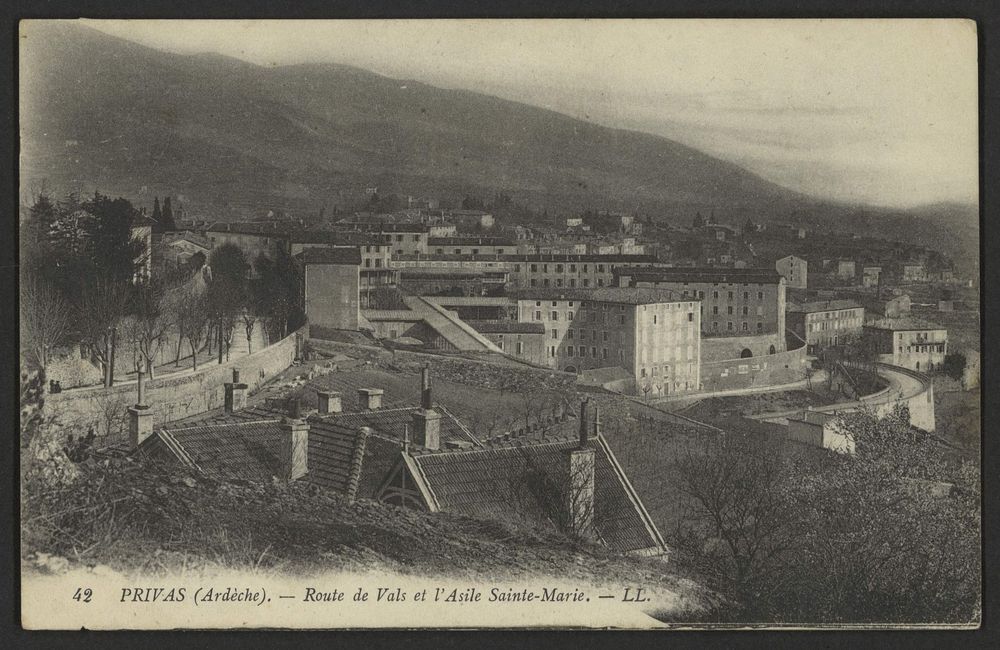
(426, 420)
(370, 399)
(425, 388)
(579, 482)
(427, 428)
(140, 416)
(585, 426)
(329, 402)
(294, 443)
(236, 393)
(357, 463)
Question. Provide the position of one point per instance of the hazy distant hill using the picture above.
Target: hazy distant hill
(235, 139)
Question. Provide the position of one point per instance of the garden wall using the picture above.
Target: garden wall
(754, 372)
(173, 397)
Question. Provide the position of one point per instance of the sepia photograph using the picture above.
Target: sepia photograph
(499, 323)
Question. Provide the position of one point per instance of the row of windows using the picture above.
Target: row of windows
(475, 251)
(583, 334)
(744, 328)
(729, 310)
(559, 268)
(581, 351)
(571, 285)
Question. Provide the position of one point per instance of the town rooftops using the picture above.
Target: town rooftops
(271, 229)
(385, 226)
(903, 324)
(335, 237)
(823, 305)
(702, 274)
(618, 295)
(190, 237)
(337, 255)
(533, 257)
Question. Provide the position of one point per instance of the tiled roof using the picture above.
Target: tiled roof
(824, 305)
(337, 255)
(517, 482)
(703, 274)
(903, 324)
(389, 422)
(241, 449)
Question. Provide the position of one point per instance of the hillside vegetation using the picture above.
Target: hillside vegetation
(233, 139)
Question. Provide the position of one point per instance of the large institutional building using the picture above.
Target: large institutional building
(735, 303)
(651, 333)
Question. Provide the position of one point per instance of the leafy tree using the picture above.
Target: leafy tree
(280, 286)
(954, 365)
(228, 262)
(113, 249)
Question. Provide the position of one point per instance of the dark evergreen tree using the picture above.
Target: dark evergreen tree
(157, 215)
(168, 216)
(115, 253)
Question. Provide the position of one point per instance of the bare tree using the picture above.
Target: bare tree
(103, 304)
(149, 325)
(194, 320)
(44, 319)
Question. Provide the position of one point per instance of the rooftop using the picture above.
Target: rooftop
(618, 295)
(514, 480)
(823, 305)
(334, 255)
(702, 274)
(903, 324)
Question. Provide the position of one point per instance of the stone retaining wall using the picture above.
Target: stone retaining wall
(172, 397)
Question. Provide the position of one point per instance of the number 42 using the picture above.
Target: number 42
(83, 595)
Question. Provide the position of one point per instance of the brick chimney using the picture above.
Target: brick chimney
(579, 481)
(294, 443)
(329, 402)
(236, 393)
(357, 463)
(370, 399)
(140, 416)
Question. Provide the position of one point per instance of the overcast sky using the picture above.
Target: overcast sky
(877, 111)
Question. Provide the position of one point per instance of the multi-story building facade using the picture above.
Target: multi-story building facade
(734, 302)
(795, 270)
(651, 333)
(534, 271)
(908, 343)
(471, 246)
(822, 324)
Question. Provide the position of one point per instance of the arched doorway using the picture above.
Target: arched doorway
(771, 350)
(571, 369)
(746, 353)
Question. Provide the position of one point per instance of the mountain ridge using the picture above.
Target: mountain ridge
(234, 139)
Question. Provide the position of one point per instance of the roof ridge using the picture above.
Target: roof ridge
(218, 424)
